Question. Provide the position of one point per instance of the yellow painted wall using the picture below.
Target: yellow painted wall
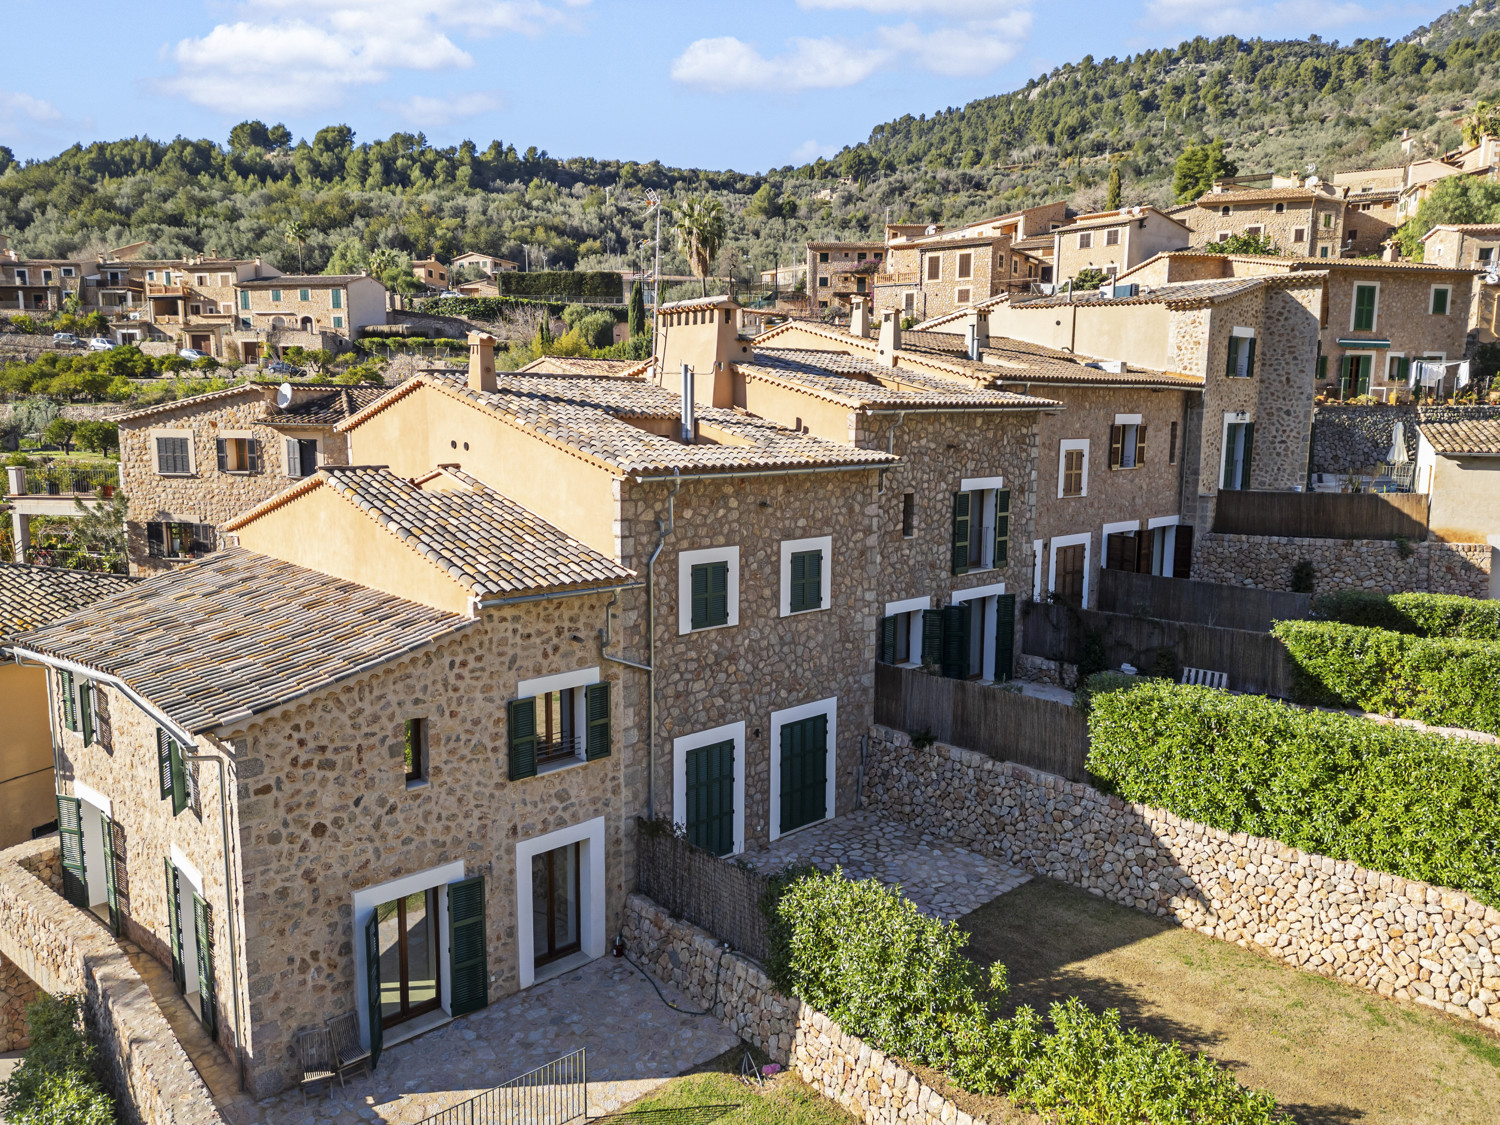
(793, 408)
(321, 531)
(26, 785)
(428, 428)
(1137, 334)
(1465, 499)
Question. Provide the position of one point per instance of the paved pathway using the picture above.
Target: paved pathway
(941, 878)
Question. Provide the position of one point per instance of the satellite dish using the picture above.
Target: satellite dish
(931, 230)
(1492, 276)
(284, 395)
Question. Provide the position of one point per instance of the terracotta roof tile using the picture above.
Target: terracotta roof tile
(860, 382)
(33, 596)
(1479, 436)
(327, 409)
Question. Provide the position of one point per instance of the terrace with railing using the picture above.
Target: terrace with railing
(63, 480)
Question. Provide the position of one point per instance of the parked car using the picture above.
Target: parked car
(101, 344)
(189, 354)
(282, 367)
(66, 340)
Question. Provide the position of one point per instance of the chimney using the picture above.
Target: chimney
(688, 421)
(976, 333)
(890, 337)
(859, 317)
(481, 361)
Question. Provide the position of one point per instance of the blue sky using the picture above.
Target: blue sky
(720, 85)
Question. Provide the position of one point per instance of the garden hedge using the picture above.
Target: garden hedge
(1421, 615)
(56, 1082)
(1389, 798)
(1444, 681)
(496, 308)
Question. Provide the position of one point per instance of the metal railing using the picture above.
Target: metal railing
(552, 1094)
(70, 480)
(561, 748)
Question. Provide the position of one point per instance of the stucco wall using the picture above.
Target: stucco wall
(1465, 499)
(25, 753)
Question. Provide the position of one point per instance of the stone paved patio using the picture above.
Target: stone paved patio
(941, 878)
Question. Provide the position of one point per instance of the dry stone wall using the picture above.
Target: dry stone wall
(65, 950)
(1398, 937)
(866, 1082)
(16, 991)
(1265, 562)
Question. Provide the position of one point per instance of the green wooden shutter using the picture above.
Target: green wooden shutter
(467, 946)
(888, 639)
(961, 523)
(203, 930)
(372, 982)
(1250, 358)
(709, 796)
(86, 711)
(596, 721)
(718, 593)
(1233, 355)
(252, 454)
(804, 772)
(1005, 636)
(522, 729)
(65, 691)
(70, 829)
(1249, 448)
(1322, 368)
(1345, 363)
(164, 763)
(1002, 526)
(1228, 478)
(174, 925)
(179, 777)
(1116, 446)
(956, 641)
(806, 581)
(1364, 308)
(796, 601)
(111, 894)
(699, 595)
(1440, 302)
(932, 636)
(221, 447)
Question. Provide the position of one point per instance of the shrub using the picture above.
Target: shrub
(1097, 684)
(55, 1082)
(1446, 681)
(1411, 803)
(1421, 615)
(1304, 577)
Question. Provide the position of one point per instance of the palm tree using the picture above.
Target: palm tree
(1481, 120)
(700, 232)
(296, 231)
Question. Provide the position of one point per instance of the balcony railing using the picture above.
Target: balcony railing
(70, 480)
(560, 749)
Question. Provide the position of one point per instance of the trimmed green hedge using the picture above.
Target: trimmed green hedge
(1389, 798)
(1443, 681)
(1422, 615)
(864, 955)
(495, 308)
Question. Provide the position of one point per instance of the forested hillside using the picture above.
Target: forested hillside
(1276, 105)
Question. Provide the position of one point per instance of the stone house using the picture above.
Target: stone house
(396, 786)
(840, 271)
(1458, 468)
(1311, 220)
(37, 285)
(189, 465)
(431, 273)
(310, 311)
(753, 641)
(32, 596)
(1477, 246)
(1115, 241)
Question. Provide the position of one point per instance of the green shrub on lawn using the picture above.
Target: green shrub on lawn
(1444, 681)
(1389, 798)
(1421, 615)
(866, 957)
(55, 1083)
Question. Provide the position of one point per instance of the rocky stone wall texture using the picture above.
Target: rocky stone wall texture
(1265, 562)
(1398, 937)
(16, 991)
(1346, 438)
(64, 950)
(844, 1068)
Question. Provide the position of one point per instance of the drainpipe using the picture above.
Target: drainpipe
(890, 448)
(234, 943)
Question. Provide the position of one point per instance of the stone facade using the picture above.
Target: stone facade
(1400, 938)
(835, 271)
(843, 1068)
(993, 266)
(1265, 562)
(1316, 216)
(16, 991)
(62, 950)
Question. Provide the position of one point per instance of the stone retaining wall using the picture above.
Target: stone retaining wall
(1399, 937)
(63, 950)
(843, 1068)
(16, 991)
(1265, 562)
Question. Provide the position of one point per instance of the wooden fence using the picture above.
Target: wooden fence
(1322, 515)
(990, 720)
(719, 895)
(1254, 662)
(1206, 603)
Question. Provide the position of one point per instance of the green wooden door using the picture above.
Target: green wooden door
(710, 797)
(804, 772)
(1005, 636)
(70, 830)
(107, 828)
(372, 984)
(203, 931)
(468, 966)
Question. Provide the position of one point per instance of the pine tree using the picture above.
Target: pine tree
(637, 319)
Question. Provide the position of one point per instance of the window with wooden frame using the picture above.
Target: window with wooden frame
(1299, 234)
(414, 750)
(554, 728)
(1086, 240)
(934, 267)
(1073, 468)
(1112, 237)
(1240, 357)
(1366, 307)
(965, 266)
(1441, 295)
(238, 454)
(174, 454)
(179, 540)
(981, 529)
(963, 296)
(1127, 445)
(807, 581)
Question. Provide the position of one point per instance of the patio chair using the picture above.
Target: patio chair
(343, 1033)
(315, 1055)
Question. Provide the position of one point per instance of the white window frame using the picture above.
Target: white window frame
(779, 719)
(987, 595)
(1390, 362)
(1064, 447)
(565, 681)
(1169, 544)
(686, 560)
(1354, 306)
(286, 460)
(1112, 236)
(1086, 240)
(1231, 418)
(192, 451)
(959, 273)
(591, 894)
(1037, 546)
(963, 296)
(790, 547)
(734, 732)
(912, 609)
(1087, 539)
(1432, 298)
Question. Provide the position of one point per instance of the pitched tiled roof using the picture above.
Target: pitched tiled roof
(327, 409)
(710, 302)
(195, 402)
(33, 596)
(1178, 292)
(577, 365)
(1253, 195)
(1480, 437)
(591, 416)
(1126, 215)
(483, 540)
(859, 382)
(1017, 361)
(305, 281)
(237, 634)
(1466, 228)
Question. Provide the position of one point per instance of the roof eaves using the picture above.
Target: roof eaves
(187, 403)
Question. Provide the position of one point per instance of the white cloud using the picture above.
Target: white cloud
(426, 111)
(727, 63)
(964, 50)
(1249, 17)
(810, 150)
(281, 56)
(20, 112)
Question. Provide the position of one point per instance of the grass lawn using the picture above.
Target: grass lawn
(714, 1094)
(1330, 1053)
